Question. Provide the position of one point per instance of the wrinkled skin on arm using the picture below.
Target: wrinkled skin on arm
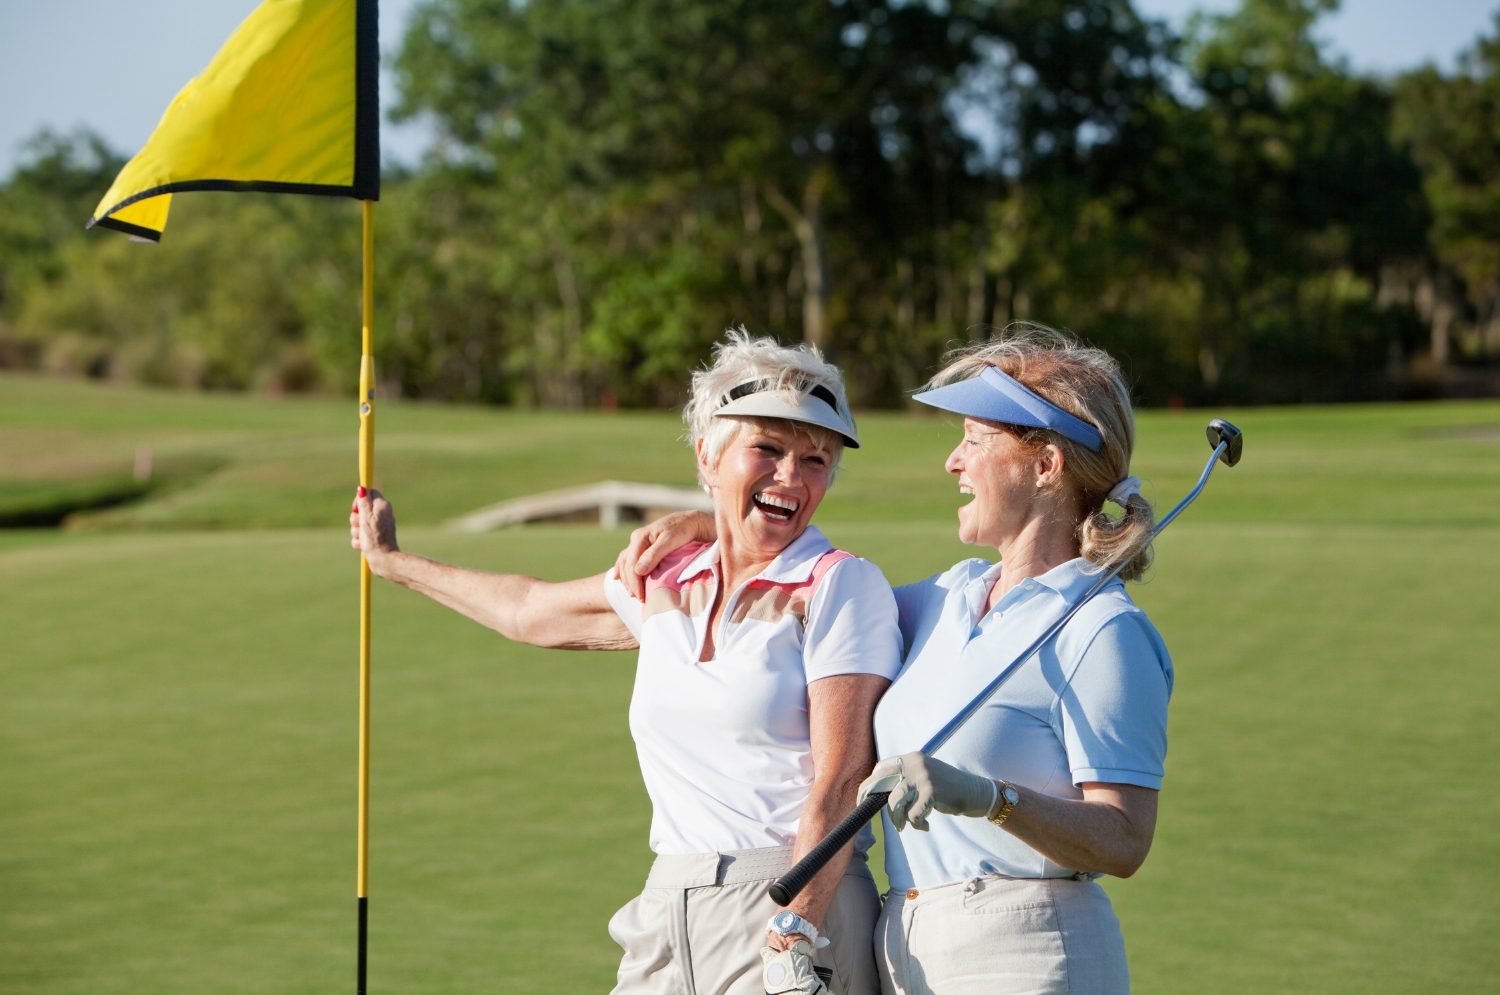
(574, 614)
(841, 713)
(1108, 831)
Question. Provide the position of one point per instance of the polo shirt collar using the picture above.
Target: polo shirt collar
(796, 562)
(1070, 580)
(703, 561)
(793, 566)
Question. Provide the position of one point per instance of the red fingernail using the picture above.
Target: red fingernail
(362, 491)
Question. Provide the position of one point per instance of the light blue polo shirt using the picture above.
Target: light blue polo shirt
(1090, 706)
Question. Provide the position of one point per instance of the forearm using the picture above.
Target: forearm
(829, 801)
(493, 600)
(840, 714)
(574, 614)
(570, 615)
(1097, 835)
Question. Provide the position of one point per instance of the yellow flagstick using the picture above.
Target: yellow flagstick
(367, 481)
(290, 104)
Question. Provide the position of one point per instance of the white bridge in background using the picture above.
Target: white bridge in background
(611, 503)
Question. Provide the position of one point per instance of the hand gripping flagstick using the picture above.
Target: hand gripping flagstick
(1228, 443)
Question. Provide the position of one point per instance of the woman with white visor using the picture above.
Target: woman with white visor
(762, 656)
(1054, 782)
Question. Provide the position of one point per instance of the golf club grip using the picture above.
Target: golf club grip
(790, 884)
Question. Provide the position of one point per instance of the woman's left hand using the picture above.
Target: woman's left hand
(918, 784)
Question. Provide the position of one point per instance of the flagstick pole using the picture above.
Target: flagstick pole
(366, 480)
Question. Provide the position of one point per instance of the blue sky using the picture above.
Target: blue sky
(114, 65)
(1382, 36)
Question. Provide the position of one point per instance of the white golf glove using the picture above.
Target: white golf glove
(918, 784)
(791, 971)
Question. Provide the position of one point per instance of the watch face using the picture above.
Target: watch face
(1010, 796)
(785, 920)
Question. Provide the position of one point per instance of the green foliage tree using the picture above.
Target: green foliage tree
(1306, 197)
(664, 168)
(616, 181)
(55, 185)
(1239, 255)
(1453, 125)
(248, 292)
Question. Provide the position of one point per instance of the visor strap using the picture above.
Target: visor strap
(756, 386)
(752, 387)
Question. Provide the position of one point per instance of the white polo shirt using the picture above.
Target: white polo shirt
(1090, 706)
(723, 744)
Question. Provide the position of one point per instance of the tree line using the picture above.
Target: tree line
(1235, 214)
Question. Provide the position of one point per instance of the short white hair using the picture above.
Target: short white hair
(792, 370)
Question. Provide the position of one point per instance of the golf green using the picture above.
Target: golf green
(177, 716)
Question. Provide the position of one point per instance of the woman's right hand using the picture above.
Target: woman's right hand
(919, 784)
(650, 544)
(372, 528)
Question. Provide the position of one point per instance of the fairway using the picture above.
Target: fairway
(177, 695)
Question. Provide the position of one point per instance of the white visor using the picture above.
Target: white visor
(756, 399)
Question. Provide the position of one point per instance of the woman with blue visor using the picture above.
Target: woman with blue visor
(1054, 782)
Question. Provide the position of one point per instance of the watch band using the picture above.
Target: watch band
(1010, 797)
(787, 922)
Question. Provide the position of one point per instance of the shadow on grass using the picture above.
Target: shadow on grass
(53, 504)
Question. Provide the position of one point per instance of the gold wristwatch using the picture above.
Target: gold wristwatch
(1009, 797)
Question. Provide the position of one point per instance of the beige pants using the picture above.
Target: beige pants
(1002, 936)
(698, 927)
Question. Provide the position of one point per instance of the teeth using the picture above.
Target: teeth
(776, 502)
(965, 489)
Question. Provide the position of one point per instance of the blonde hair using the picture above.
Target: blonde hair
(1085, 382)
(791, 370)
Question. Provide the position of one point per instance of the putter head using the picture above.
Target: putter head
(1219, 431)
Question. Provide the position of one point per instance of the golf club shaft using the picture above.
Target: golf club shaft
(786, 887)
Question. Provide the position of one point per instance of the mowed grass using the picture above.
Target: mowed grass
(289, 462)
(177, 706)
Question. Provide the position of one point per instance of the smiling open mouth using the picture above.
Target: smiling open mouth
(777, 509)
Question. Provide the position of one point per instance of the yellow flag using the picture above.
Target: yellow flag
(290, 104)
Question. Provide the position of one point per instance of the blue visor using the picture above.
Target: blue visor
(995, 396)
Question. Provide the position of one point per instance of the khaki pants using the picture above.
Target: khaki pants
(698, 926)
(1002, 936)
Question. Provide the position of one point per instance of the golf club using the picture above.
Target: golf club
(1228, 443)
